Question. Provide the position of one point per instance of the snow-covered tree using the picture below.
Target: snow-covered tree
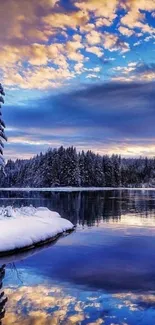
(66, 167)
(2, 127)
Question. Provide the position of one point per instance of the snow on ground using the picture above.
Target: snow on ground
(75, 189)
(26, 226)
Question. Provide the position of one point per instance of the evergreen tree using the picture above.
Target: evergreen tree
(2, 127)
(66, 167)
(108, 171)
(73, 171)
(99, 177)
(116, 170)
(82, 168)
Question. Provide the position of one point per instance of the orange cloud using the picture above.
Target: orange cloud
(102, 21)
(19, 21)
(62, 20)
(40, 78)
(113, 43)
(134, 18)
(30, 33)
(95, 50)
(125, 31)
(104, 8)
(93, 38)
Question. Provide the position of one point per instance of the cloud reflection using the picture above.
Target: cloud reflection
(43, 305)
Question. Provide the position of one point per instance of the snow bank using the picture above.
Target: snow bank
(28, 226)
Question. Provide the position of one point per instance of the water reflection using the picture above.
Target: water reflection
(104, 273)
(87, 208)
(54, 305)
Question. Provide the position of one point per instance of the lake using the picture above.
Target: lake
(102, 273)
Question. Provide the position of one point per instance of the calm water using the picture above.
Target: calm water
(103, 273)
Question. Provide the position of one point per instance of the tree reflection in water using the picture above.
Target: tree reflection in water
(101, 274)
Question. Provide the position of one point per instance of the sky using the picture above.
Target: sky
(78, 72)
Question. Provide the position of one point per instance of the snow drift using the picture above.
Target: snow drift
(26, 227)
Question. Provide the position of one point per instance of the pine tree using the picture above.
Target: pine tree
(116, 170)
(73, 171)
(2, 127)
(108, 171)
(99, 177)
(89, 168)
(55, 169)
(81, 159)
(64, 167)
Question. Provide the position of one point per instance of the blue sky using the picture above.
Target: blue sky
(78, 72)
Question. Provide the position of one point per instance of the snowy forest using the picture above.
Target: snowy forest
(67, 167)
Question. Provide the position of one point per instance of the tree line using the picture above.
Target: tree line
(67, 167)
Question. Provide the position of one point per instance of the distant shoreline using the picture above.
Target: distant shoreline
(75, 189)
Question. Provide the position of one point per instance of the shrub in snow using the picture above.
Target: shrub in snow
(5, 212)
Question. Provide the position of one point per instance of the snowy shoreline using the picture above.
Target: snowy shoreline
(28, 227)
(74, 189)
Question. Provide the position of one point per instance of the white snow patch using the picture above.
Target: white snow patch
(26, 226)
(73, 189)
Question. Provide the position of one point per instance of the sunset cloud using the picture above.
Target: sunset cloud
(38, 34)
(53, 46)
(135, 17)
(95, 50)
(93, 38)
(135, 71)
(130, 104)
(113, 43)
(105, 9)
(126, 31)
(61, 20)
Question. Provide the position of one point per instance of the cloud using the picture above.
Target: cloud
(135, 15)
(62, 20)
(40, 78)
(87, 28)
(104, 9)
(24, 49)
(113, 43)
(49, 34)
(144, 68)
(18, 20)
(103, 117)
(95, 50)
(53, 44)
(146, 72)
(93, 38)
(78, 67)
(38, 73)
(100, 22)
(126, 31)
(136, 71)
(38, 55)
(132, 18)
(91, 75)
(139, 5)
